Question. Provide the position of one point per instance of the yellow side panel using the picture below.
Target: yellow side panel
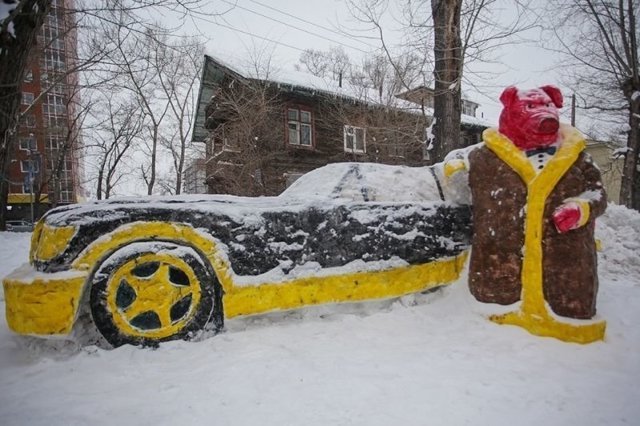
(42, 307)
(341, 288)
(253, 299)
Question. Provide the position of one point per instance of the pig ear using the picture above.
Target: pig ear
(509, 95)
(555, 95)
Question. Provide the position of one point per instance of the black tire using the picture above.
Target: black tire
(149, 292)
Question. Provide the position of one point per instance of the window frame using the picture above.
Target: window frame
(468, 108)
(299, 124)
(33, 144)
(29, 121)
(26, 95)
(36, 168)
(54, 104)
(349, 130)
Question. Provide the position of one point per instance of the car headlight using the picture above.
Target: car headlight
(48, 241)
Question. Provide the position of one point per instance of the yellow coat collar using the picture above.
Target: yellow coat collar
(571, 145)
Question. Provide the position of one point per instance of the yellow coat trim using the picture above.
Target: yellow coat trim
(454, 166)
(534, 314)
(585, 210)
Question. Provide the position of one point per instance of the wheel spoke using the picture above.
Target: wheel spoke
(135, 309)
(165, 316)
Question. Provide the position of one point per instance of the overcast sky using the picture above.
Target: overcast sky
(252, 27)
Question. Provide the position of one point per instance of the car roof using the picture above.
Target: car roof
(366, 182)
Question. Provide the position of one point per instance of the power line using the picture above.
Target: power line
(331, 30)
(295, 27)
(249, 34)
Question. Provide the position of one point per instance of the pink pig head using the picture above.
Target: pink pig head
(530, 117)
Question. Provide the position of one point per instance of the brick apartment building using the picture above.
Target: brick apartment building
(45, 169)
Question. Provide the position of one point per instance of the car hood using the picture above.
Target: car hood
(124, 209)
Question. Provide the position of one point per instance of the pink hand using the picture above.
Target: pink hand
(567, 217)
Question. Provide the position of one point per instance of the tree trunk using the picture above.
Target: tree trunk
(100, 178)
(14, 57)
(630, 185)
(154, 153)
(448, 75)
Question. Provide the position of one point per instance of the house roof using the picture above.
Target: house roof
(289, 78)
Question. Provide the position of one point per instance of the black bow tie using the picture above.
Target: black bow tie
(549, 150)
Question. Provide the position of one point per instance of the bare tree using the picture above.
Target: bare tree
(110, 141)
(135, 73)
(451, 36)
(375, 79)
(244, 143)
(599, 40)
(179, 68)
(18, 31)
(63, 147)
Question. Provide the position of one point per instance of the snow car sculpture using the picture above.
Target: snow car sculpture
(536, 195)
(153, 269)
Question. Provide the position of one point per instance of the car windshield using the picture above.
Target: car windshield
(366, 182)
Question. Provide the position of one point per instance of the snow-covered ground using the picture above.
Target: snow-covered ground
(424, 360)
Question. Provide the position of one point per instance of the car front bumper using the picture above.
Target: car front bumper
(42, 303)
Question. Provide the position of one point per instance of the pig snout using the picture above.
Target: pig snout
(548, 125)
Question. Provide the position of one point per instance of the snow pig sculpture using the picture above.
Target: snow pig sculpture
(535, 196)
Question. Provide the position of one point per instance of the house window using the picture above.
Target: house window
(57, 43)
(28, 143)
(53, 60)
(66, 196)
(466, 139)
(53, 142)
(29, 120)
(54, 105)
(27, 98)
(299, 127)
(28, 76)
(25, 166)
(355, 139)
(469, 108)
(55, 122)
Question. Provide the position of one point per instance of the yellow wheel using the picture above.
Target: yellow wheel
(153, 291)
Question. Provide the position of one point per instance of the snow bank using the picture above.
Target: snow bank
(619, 233)
(14, 251)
